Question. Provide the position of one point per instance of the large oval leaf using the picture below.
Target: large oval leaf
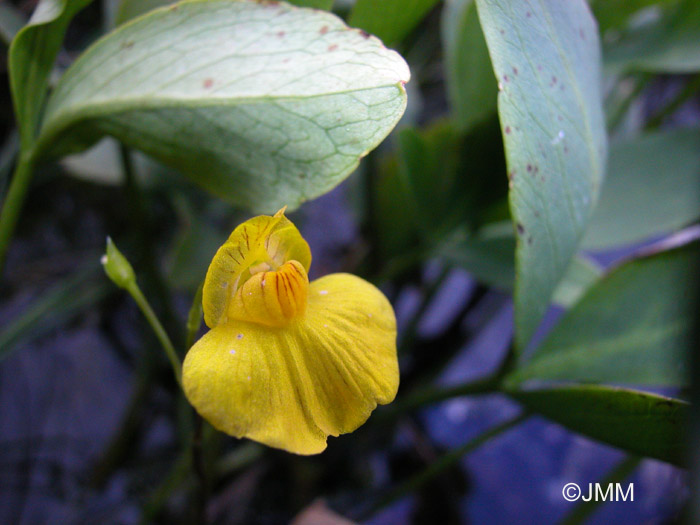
(639, 422)
(546, 55)
(633, 326)
(264, 104)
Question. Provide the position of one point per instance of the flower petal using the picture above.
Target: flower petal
(348, 347)
(241, 377)
(290, 387)
(264, 240)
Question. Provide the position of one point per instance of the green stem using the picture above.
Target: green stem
(162, 336)
(12, 206)
(584, 509)
(420, 398)
(689, 90)
(441, 465)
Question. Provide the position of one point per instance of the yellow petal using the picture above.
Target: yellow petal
(290, 387)
(258, 244)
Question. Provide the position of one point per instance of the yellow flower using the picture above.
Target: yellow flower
(287, 362)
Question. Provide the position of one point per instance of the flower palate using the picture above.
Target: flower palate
(287, 362)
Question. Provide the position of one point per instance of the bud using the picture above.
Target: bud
(117, 268)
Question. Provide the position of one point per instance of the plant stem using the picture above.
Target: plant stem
(584, 509)
(426, 396)
(162, 336)
(12, 206)
(441, 465)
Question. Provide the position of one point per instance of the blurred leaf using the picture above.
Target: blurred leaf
(316, 4)
(617, 13)
(54, 307)
(448, 176)
(489, 257)
(652, 187)
(129, 9)
(103, 164)
(11, 21)
(192, 251)
(390, 20)
(633, 326)
(8, 155)
(395, 218)
(546, 56)
(668, 43)
(261, 103)
(639, 422)
(31, 58)
(471, 86)
(428, 168)
(579, 277)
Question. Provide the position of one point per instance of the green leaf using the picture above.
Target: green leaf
(616, 14)
(394, 220)
(11, 22)
(546, 56)
(445, 176)
(326, 5)
(390, 20)
(632, 327)
(642, 423)
(129, 9)
(652, 187)
(669, 43)
(31, 59)
(471, 86)
(488, 256)
(264, 104)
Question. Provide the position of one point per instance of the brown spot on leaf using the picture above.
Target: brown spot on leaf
(324, 30)
(281, 34)
(529, 168)
(364, 34)
(332, 47)
(208, 82)
(515, 70)
(507, 130)
(528, 14)
(521, 228)
(505, 78)
(127, 44)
